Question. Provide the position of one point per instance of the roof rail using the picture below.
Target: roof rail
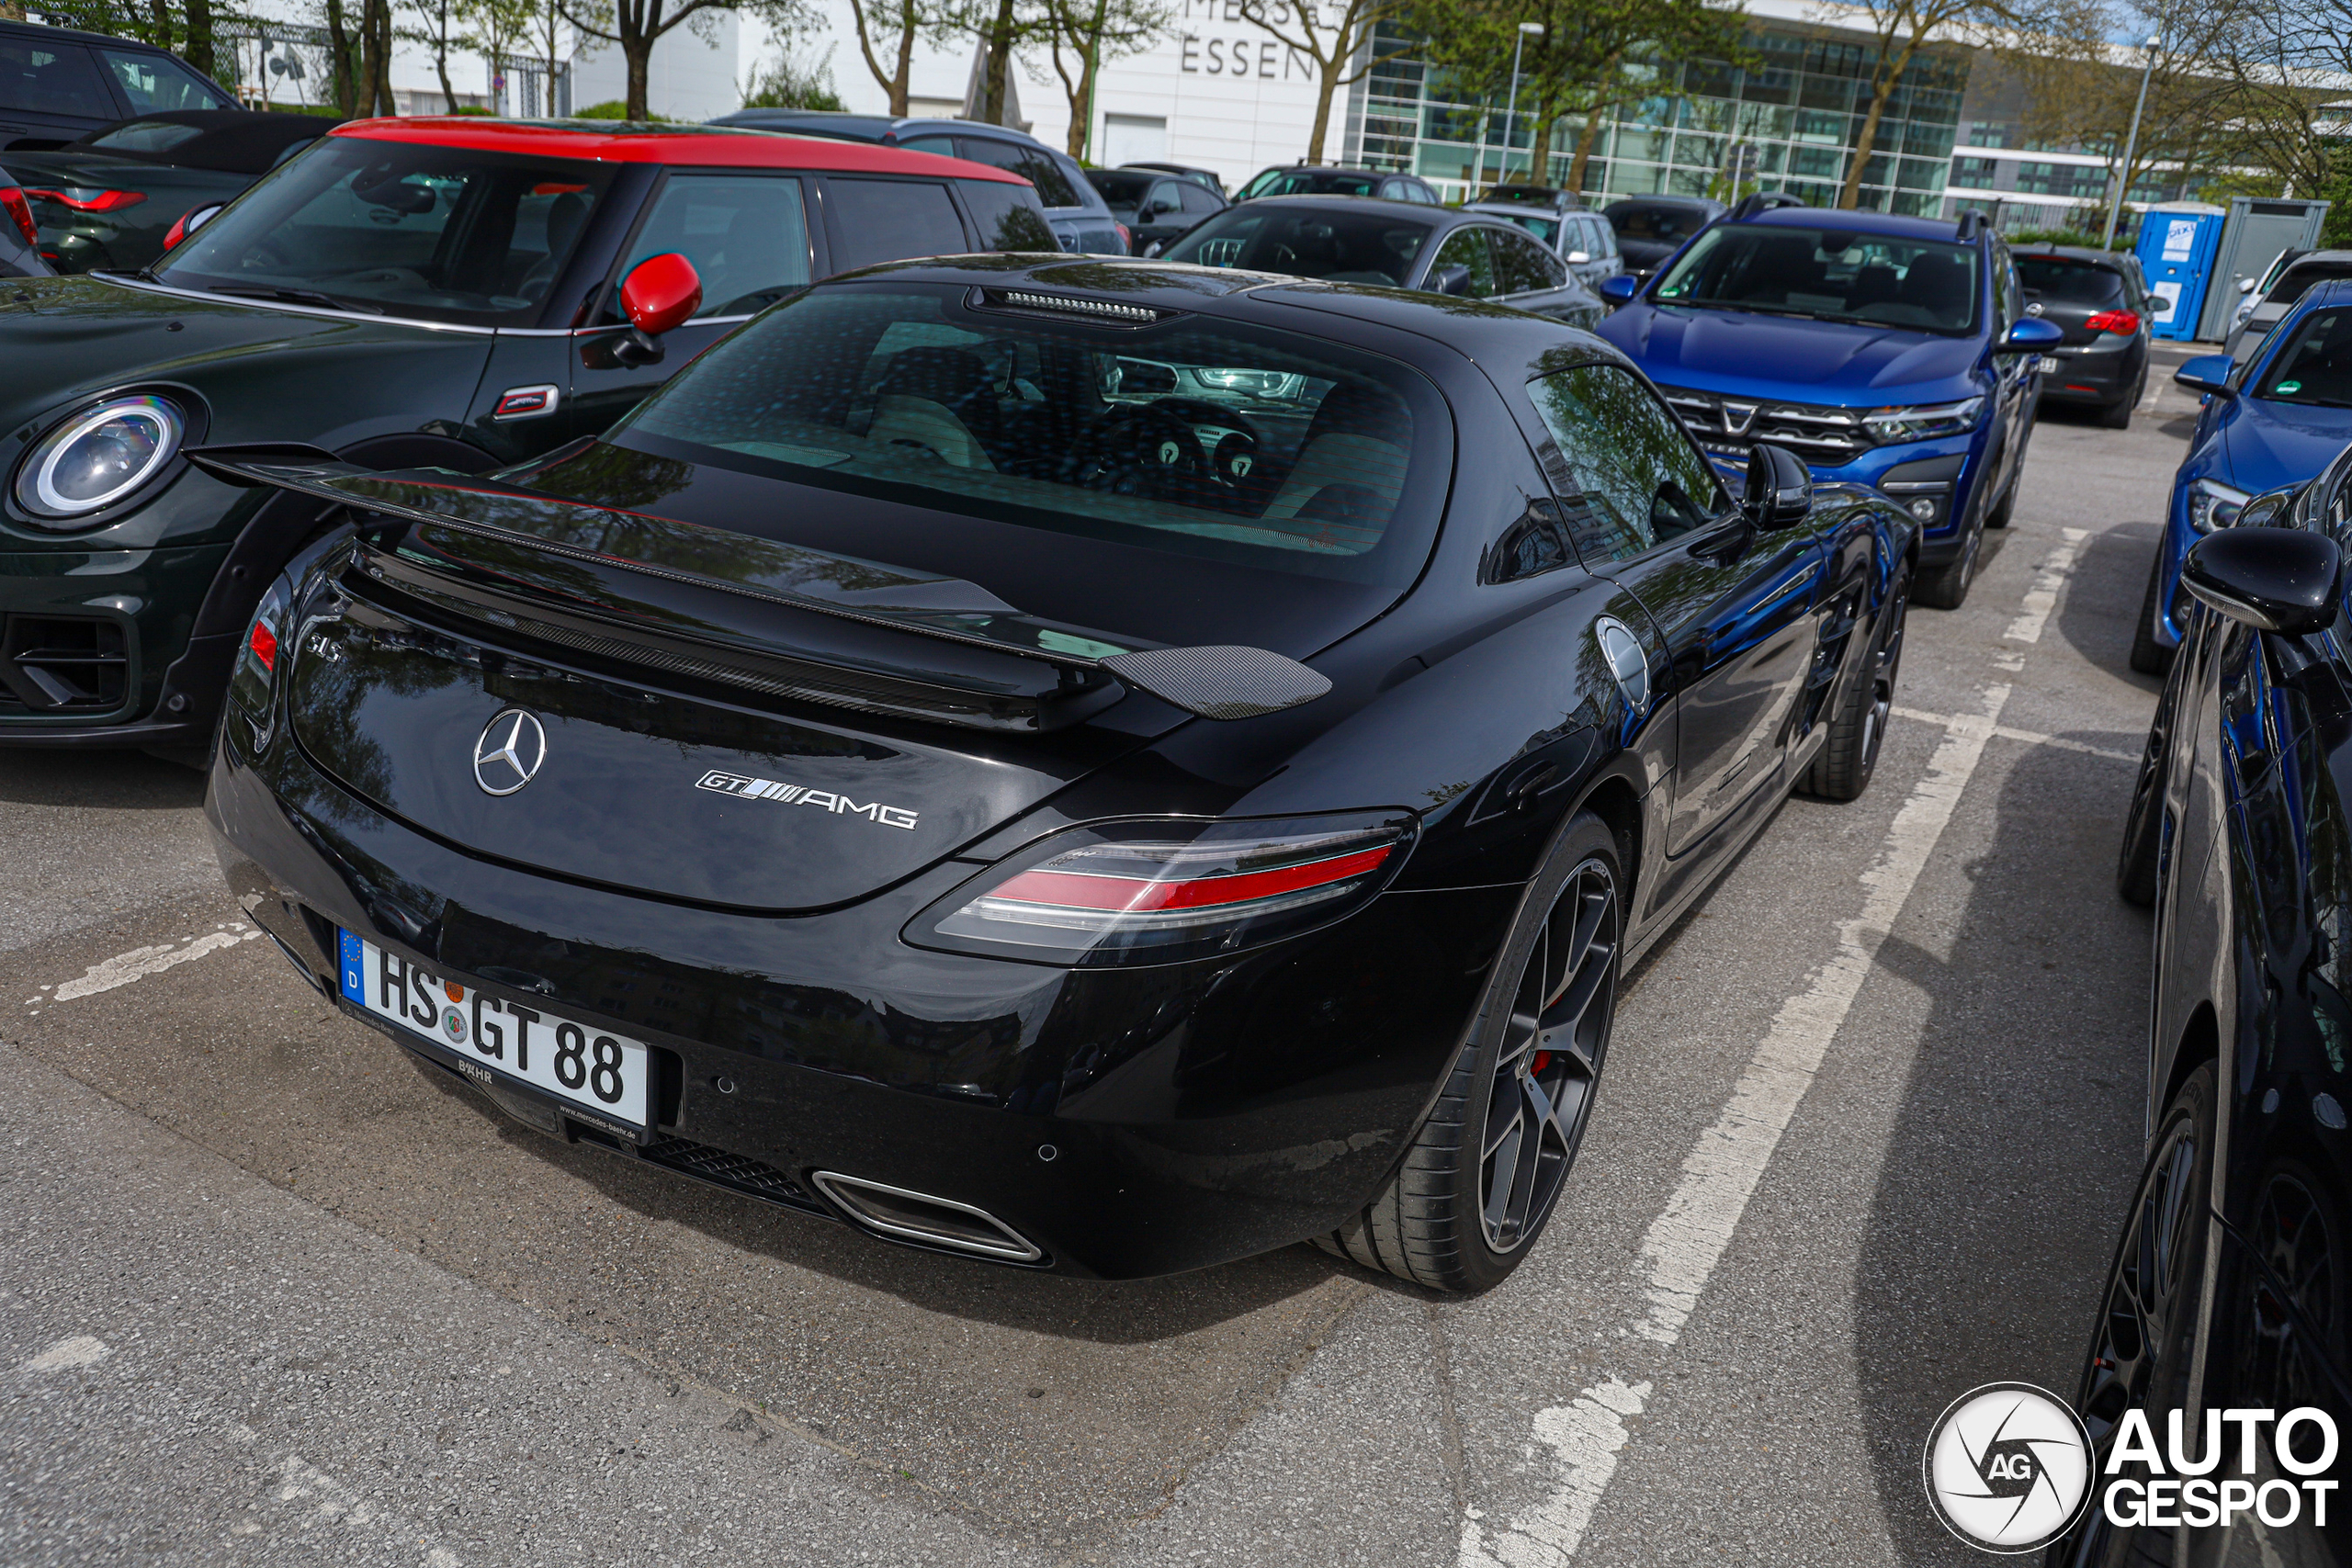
(1763, 201)
(1971, 223)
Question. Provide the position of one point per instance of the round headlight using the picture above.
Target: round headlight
(98, 457)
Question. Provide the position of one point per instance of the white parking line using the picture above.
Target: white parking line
(2004, 732)
(2043, 597)
(124, 968)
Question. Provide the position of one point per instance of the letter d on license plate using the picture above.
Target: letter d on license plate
(593, 1069)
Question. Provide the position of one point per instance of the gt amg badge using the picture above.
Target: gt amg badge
(509, 753)
(797, 794)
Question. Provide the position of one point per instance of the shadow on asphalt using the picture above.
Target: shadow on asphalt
(2097, 614)
(2017, 1142)
(104, 781)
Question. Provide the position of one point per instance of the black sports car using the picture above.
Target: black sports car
(2230, 1290)
(1099, 765)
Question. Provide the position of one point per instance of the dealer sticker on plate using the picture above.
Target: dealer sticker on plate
(590, 1068)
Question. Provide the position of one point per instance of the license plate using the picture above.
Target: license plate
(590, 1067)
(2046, 365)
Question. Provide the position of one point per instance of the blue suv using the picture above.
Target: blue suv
(1886, 351)
(2272, 423)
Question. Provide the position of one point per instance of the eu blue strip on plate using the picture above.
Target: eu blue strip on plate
(355, 968)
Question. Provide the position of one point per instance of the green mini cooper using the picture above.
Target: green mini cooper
(438, 293)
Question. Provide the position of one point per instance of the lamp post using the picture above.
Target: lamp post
(1510, 114)
(2131, 144)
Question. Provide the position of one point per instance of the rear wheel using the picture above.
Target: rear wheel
(1486, 1169)
(2150, 657)
(1849, 755)
(2117, 415)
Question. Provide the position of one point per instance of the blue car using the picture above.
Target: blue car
(1886, 351)
(2276, 422)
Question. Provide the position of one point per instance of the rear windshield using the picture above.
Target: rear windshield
(1314, 182)
(1121, 189)
(2314, 367)
(2061, 281)
(1828, 274)
(2299, 279)
(1377, 245)
(1664, 224)
(1200, 438)
(401, 229)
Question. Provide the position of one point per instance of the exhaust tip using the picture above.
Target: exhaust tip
(934, 1222)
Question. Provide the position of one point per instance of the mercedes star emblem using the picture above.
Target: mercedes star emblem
(509, 753)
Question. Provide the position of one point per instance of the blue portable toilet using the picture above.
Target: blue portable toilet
(2177, 239)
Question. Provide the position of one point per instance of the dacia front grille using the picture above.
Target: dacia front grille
(1825, 436)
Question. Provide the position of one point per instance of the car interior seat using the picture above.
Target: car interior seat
(930, 400)
(1350, 465)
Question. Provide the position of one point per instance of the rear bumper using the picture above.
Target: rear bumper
(2095, 372)
(1196, 1113)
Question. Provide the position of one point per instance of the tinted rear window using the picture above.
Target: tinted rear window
(1032, 163)
(1204, 438)
(880, 220)
(2291, 287)
(1377, 245)
(2064, 281)
(1665, 225)
(44, 78)
(1122, 189)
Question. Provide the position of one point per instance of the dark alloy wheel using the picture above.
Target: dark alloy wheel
(1858, 725)
(2144, 1348)
(1486, 1168)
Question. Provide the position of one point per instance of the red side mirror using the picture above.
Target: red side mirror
(661, 293)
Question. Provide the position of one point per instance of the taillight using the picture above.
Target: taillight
(13, 202)
(1154, 891)
(176, 232)
(256, 676)
(88, 199)
(263, 642)
(2125, 321)
(1127, 235)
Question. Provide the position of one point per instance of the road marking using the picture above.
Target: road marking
(2043, 597)
(2004, 732)
(79, 1350)
(1687, 1239)
(124, 968)
(2155, 390)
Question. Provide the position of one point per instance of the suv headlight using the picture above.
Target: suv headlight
(2212, 505)
(1924, 422)
(97, 457)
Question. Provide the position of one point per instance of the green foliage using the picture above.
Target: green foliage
(2077, 237)
(613, 109)
(790, 83)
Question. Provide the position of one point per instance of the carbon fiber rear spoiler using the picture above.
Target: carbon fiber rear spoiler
(1221, 682)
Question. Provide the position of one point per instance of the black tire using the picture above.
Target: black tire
(1531, 1067)
(2135, 862)
(2117, 415)
(1857, 729)
(2000, 515)
(1945, 587)
(2151, 1312)
(2150, 657)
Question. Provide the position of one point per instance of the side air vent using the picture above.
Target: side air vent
(934, 1222)
(62, 664)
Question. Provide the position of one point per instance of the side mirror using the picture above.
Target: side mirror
(2032, 336)
(1617, 290)
(2246, 285)
(1452, 279)
(2268, 510)
(2206, 373)
(195, 218)
(660, 295)
(2274, 580)
(1780, 488)
(1579, 258)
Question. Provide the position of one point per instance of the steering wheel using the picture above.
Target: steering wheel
(1235, 457)
(1137, 449)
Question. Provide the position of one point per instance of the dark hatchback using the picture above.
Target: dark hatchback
(1394, 244)
(57, 86)
(1105, 766)
(411, 291)
(1320, 179)
(113, 197)
(1155, 207)
(2230, 1289)
(1652, 228)
(2101, 300)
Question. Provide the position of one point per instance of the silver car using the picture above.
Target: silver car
(2268, 303)
(1583, 240)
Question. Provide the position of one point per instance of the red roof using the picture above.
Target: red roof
(706, 146)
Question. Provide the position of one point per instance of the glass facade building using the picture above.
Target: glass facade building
(1788, 121)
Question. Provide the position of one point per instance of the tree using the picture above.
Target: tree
(496, 29)
(437, 22)
(1902, 28)
(891, 28)
(636, 26)
(1340, 46)
(547, 37)
(1000, 27)
(792, 81)
(1084, 36)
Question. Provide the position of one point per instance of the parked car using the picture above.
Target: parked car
(19, 235)
(2099, 299)
(2288, 280)
(1583, 240)
(109, 199)
(1318, 179)
(1154, 208)
(1888, 351)
(1651, 228)
(408, 292)
(1208, 178)
(2275, 421)
(2227, 1293)
(1554, 198)
(57, 86)
(1393, 243)
(968, 757)
(1080, 219)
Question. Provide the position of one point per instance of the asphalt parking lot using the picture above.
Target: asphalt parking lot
(267, 1295)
